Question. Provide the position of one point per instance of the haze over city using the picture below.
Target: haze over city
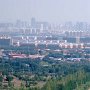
(45, 10)
(44, 45)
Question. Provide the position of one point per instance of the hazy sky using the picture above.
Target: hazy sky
(45, 10)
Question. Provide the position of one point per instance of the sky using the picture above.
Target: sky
(45, 10)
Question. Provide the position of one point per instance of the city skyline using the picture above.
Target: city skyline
(46, 10)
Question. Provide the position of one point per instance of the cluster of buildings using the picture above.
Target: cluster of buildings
(39, 34)
(18, 55)
(36, 27)
(45, 41)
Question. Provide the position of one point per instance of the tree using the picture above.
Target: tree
(1, 78)
(9, 78)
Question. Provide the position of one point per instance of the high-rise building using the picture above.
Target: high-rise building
(5, 41)
(33, 23)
